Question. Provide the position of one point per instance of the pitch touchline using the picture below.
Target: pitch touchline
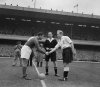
(42, 81)
(82, 61)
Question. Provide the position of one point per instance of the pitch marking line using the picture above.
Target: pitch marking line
(42, 81)
(81, 61)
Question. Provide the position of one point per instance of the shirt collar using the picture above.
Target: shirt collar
(51, 39)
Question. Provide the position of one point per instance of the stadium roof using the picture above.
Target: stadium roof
(9, 10)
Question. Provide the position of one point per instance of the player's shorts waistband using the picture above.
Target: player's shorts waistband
(66, 48)
(27, 47)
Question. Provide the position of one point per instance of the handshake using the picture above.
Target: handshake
(47, 53)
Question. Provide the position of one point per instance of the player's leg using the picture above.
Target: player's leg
(25, 55)
(41, 63)
(31, 57)
(30, 60)
(20, 59)
(66, 71)
(37, 64)
(40, 59)
(24, 67)
(55, 68)
(37, 61)
(53, 59)
(67, 54)
(15, 59)
(47, 67)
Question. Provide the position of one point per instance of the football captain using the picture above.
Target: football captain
(26, 52)
(67, 46)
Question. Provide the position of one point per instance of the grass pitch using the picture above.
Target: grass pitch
(82, 74)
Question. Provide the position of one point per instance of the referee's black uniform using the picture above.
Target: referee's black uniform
(49, 44)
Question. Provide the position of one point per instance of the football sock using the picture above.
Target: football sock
(55, 69)
(41, 64)
(66, 70)
(46, 70)
(37, 64)
(24, 71)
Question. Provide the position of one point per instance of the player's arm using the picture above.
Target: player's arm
(73, 49)
(72, 45)
(38, 47)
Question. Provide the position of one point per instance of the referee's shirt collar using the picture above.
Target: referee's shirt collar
(51, 39)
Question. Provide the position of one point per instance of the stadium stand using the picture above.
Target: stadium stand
(85, 55)
(6, 50)
(75, 31)
(26, 29)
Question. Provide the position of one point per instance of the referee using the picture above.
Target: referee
(67, 46)
(49, 44)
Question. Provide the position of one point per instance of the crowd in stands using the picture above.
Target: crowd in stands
(85, 55)
(82, 55)
(6, 50)
(27, 29)
(86, 33)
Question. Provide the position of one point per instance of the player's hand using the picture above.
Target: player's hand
(47, 48)
(74, 52)
(47, 53)
(51, 48)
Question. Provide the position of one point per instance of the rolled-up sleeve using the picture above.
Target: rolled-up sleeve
(68, 40)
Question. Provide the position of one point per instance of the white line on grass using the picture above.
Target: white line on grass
(82, 61)
(42, 81)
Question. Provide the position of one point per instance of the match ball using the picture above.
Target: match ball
(41, 76)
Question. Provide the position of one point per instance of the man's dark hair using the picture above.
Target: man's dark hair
(40, 34)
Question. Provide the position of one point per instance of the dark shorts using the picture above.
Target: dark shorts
(52, 56)
(67, 55)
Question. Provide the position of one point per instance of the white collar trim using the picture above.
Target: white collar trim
(51, 39)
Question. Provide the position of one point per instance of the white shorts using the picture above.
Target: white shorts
(26, 52)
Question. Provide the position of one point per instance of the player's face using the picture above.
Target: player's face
(50, 35)
(40, 37)
(59, 35)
